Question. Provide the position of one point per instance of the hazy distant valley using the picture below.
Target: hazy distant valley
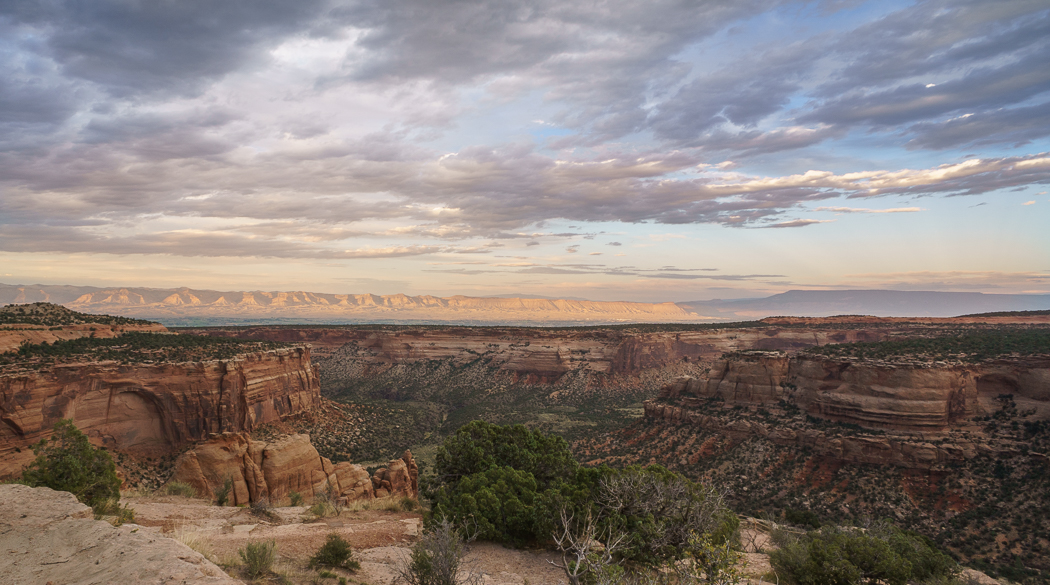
(192, 307)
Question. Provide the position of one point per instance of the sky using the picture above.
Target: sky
(647, 151)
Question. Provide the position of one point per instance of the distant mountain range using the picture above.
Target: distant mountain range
(880, 303)
(184, 306)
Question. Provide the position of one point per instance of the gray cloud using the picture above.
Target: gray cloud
(113, 115)
(130, 48)
(1017, 126)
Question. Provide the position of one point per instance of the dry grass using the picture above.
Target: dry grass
(193, 539)
(387, 504)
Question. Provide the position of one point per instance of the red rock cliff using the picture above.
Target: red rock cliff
(153, 409)
(904, 404)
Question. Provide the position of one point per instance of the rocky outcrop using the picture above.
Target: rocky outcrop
(49, 537)
(272, 471)
(399, 478)
(153, 409)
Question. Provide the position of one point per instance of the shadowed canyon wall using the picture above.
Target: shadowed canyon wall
(153, 409)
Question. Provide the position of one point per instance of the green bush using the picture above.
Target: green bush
(493, 477)
(335, 552)
(258, 557)
(479, 446)
(67, 462)
(502, 502)
(222, 495)
(848, 556)
(295, 498)
(114, 512)
(511, 484)
(661, 512)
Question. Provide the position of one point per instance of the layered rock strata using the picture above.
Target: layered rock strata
(891, 396)
(50, 537)
(153, 409)
(908, 406)
(272, 471)
(545, 355)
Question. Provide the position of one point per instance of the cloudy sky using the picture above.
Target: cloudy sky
(658, 150)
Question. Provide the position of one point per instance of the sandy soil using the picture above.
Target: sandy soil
(381, 540)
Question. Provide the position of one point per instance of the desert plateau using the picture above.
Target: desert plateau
(803, 422)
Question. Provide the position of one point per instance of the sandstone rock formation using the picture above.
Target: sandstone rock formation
(153, 409)
(399, 478)
(910, 408)
(49, 537)
(891, 396)
(539, 355)
(289, 464)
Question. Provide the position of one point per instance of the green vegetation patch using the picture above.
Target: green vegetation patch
(969, 346)
(136, 347)
(51, 315)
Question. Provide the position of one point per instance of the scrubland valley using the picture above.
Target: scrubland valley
(941, 426)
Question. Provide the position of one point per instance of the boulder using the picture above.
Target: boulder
(49, 537)
(354, 482)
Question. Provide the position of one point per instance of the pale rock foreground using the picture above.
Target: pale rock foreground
(49, 537)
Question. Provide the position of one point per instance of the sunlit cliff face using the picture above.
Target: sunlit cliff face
(611, 151)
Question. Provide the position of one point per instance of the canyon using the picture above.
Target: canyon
(765, 409)
(547, 354)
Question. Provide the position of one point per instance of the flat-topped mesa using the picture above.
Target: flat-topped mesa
(874, 395)
(153, 409)
(47, 323)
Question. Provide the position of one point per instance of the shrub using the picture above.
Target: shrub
(335, 552)
(295, 498)
(180, 488)
(502, 501)
(437, 559)
(495, 477)
(262, 508)
(67, 462)
(115, 513)
(258, 557)
(837, 555)
(479, 446)
(222, 495)
(662, 512)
